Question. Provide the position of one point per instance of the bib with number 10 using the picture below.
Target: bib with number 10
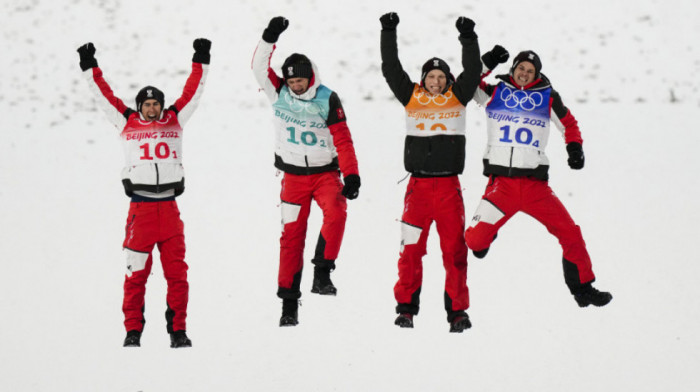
(430, 115)
(152, 141)
(302, 135)
(519, 118)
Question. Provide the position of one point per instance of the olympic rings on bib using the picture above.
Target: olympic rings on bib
(439, 100)
(526, 101)
(298, 106)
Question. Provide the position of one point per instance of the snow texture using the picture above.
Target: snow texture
(627, 69)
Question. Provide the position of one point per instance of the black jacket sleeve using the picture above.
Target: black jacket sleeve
(469, 79)
(397, 79)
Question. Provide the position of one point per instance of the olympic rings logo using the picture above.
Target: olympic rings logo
(298, 106)
(525, 101)
(439, 100)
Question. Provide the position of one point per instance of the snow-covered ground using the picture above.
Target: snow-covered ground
(627, 69)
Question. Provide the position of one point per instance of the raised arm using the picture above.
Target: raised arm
(117, 112)
(194, 87)
(469, 79)
(267, 79)
(489, 61)
(398, 80)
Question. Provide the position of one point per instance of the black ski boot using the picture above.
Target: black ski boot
(589, 295)
(133, 339)
(404, 320)
(290, 308)
(179, 339)
(322, 282)
(459, 322)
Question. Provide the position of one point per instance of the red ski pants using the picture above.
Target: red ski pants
(297, 193)
(505, 196)
(436, 199)
(150, 224)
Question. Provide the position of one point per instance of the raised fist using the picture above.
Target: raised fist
(87, 56)
(465, 26)
(276, 26)
(389, 21)
(87, 50)
(495, 56)
(201, 45)
(201, 51)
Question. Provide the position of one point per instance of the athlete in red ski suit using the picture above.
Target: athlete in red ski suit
(152, 178)
(313, 146)
(434, 155)
(519, 112)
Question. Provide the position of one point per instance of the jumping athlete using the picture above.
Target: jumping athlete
(520, 110)
(153, 177)
(313, 146)
(434, 153)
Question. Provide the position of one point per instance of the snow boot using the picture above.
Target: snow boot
(322, 284)
(589, 295)
(459, 322)
(290, 308)
(404, 320)
(179, 339)
(133, 339)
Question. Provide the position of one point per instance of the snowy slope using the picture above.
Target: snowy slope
(626, 69)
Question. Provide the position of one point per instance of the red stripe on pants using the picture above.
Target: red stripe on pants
(535, 198)
(436, 199)
(150, 224)
(299, 190)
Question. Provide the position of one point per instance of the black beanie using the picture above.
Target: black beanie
(436, 63)
(297, 66)
(149, 92)
(530, 57)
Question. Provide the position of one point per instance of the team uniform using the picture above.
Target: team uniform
(153, 176)
(313, 146)
(518, 125)
(434, 153)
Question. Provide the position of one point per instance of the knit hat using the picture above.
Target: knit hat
(149, 92)
(297, 66)
(436, 63)
(529, 56)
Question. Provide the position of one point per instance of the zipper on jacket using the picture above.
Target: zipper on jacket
(510, 165)
(157, 179)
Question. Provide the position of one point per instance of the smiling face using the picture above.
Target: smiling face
(150, 109)
(298, 85)
(524, 73)
(435, 81)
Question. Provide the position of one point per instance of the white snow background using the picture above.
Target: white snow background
(628, 70)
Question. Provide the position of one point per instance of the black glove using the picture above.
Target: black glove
(465, 26)
(497, 55)
(201, 51)
(87, 56)
(389, 21)
(276, 26)
(351, 189)
(576, 158)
